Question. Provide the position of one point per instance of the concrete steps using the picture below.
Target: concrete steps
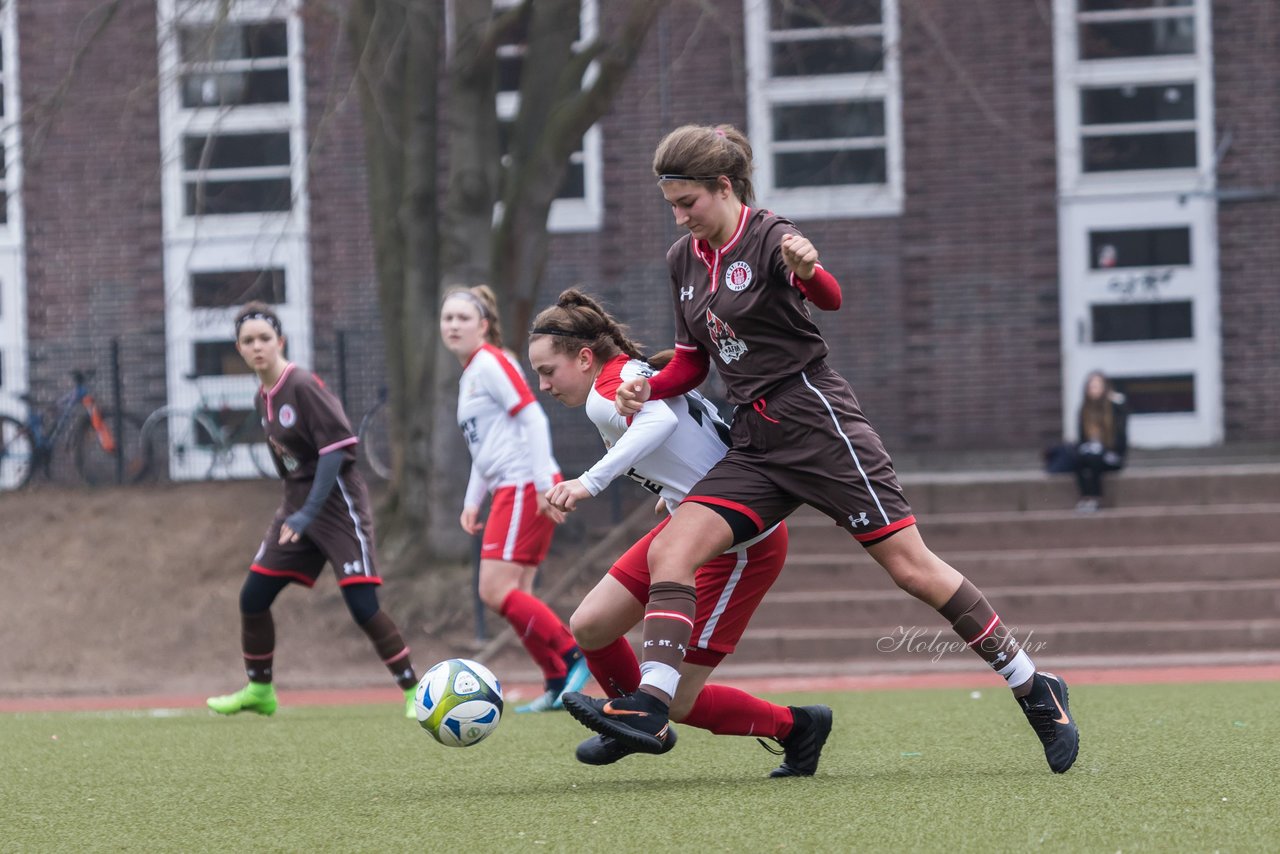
(1029, 606)
(986, 567)
(1182, 565)
(977, 491)
(1129, 526)
(1047, 643)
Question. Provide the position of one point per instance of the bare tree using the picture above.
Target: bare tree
(424, 240)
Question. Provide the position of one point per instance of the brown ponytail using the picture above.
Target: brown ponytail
(577, 321)
(701, 153)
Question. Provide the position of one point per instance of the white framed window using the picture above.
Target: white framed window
(232, 117)
(1137, 237)
(13, 286)
(208, 284)
(233, 134)
(825, 106)
(1134, 82)
(579, 204)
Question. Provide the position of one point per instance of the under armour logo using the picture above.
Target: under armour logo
(860, 520)
(1000, 659)
(686, 293)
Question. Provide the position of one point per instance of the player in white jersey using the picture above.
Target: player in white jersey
(510, 444)
(581, 356)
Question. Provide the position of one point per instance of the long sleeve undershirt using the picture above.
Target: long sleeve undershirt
(537, 433)
(685, 372)
(327, 468)
(649, 429)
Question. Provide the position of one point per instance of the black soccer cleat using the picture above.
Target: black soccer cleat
(1047, 710)
(638, 721)
(604, 750)
(803, 746)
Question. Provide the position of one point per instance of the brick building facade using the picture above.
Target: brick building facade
(999, 222)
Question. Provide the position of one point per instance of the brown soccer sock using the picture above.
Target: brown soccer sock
(668, 624)
(258, 643)
(978, 625)
(391, 648)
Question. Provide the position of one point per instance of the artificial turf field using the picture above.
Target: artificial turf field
(1161, 768)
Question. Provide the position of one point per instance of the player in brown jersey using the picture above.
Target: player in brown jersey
(739, 280)
(325, 516)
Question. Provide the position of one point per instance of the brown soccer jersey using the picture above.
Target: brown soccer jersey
(303, 420)
(739, 304)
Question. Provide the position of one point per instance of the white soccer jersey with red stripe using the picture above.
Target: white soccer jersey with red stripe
(666, 447)
(491, 393)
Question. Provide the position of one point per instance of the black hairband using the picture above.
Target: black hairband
(257, 315)
(674, 177)
(563, 333)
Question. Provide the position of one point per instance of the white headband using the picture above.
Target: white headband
(467, 295)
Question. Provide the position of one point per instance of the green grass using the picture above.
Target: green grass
(1161, 768)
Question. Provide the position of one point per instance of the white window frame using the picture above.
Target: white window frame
(764, 92)
(1140, 198)
(1075, 75)
(13, 256)
(178, 122)
(229, 242)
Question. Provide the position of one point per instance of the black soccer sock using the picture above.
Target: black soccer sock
(258, 643)
(391, 648)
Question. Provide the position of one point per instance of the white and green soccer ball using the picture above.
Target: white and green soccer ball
(459, 702)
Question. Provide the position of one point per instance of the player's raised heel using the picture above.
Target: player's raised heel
(1049, 715)
(639, 721)
(254, 697)
(803, 745)
(410, 709)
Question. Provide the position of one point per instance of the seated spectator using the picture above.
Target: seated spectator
(1103, 438)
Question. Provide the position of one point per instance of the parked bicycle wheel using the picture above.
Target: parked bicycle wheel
(96, 463)
(375, 439)
(17, 453)
(181, 444)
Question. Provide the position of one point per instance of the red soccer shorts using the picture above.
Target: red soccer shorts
(515, 532)
(729, 586)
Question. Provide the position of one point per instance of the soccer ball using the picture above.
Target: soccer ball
(459, 702)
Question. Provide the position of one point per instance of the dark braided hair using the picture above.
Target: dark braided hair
(577, 321)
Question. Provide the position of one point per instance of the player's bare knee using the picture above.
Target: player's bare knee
(669, 561)
(588, 630)
(911, 578)
(493, 591)
(931, 580)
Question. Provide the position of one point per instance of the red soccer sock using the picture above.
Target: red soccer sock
(544, 636)
(731, 711)
(614, 667)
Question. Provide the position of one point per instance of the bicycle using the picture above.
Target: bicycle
(78, 423)
(202, 443)
(375, 436)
